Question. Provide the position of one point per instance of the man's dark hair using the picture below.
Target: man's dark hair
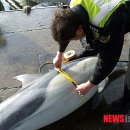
(64, 25)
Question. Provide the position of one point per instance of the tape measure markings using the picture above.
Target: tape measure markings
(66, 75)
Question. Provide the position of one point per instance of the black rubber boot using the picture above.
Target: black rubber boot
(127, 85)
(126, 98)
(125, 104)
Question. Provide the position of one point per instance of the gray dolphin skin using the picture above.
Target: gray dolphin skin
(44, 99)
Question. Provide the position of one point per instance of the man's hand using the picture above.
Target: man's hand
(83, 88)
(57, 61)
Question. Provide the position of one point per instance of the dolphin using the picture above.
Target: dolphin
(44, 99)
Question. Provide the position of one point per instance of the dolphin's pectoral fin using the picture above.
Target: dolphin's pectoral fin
(102, 85)
(27, 78)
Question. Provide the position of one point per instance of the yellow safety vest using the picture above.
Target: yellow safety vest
(99, 11)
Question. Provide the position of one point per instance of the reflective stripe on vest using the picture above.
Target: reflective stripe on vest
(105, 9)
(99, 11)
(99, 2)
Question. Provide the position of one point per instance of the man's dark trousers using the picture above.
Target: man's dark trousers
(127, 78)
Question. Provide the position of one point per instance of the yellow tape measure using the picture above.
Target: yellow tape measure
(69, 55)
(66, 75)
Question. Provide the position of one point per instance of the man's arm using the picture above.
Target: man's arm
(109, 53)
(57, 61)
(63, 46)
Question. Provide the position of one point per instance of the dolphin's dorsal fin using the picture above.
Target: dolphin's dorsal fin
(27, 78)
(102, 85)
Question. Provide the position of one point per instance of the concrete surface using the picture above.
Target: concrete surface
(26, 43)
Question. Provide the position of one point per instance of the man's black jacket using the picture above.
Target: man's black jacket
(109, 53)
